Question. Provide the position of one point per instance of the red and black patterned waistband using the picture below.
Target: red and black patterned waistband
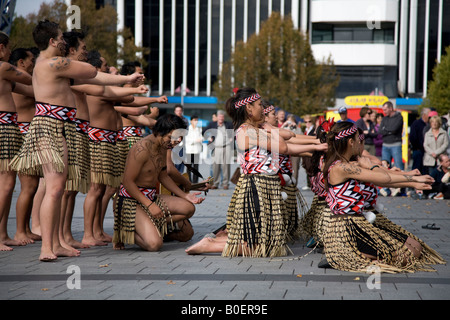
(149, 193)
(132, 131)
(102, 135)
(55, 112)
(24, 127)
(8, 117)
(82, 125)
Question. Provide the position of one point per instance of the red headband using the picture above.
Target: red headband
(250, 99)
(268, 109)
(345, 133)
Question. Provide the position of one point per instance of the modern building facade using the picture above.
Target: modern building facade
(378, 46)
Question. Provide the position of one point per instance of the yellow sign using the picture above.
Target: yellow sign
(361, 101)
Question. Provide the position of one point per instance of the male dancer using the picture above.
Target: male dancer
(45, 147)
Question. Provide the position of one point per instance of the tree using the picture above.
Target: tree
(439, 87)
(279, 64)
(99, 26)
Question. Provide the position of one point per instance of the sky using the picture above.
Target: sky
(24, 7)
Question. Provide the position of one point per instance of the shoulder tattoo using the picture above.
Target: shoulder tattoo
(60, 63)
(350, 169)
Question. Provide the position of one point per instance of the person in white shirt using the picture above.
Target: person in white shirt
(193, 140)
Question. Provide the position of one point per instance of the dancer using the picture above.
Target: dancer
(351, 241)
(23, 59)
(313, 220)
(141, 216)
(296, 206)
(10, 136)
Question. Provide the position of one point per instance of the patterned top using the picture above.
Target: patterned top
(351, 196)
(317, 182)
(257, 160)
(285, 163)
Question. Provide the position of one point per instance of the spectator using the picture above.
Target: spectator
(416, 138)
(310, 127)
(344, 115)
(391, 128)
(222, 139)
(435, 143)
(178, 111)
(378, 140)
(281, 117)
(193, 140)
(440, 189)
(368, 128)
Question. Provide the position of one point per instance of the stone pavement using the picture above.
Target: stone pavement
(171, 274)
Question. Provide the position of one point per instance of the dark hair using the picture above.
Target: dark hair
(72, 39)
(168, 123)
(194, 117)
(388, 104)
(336, 148)
(178, 106)
(311, 164)
(129, 68)
(93, 58)
(238, 115)
(364, 111)
(35, 51)
(43, 32)
(4, 38)
(17, 54)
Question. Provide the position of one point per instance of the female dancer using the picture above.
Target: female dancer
(255, 221)
(351, 241)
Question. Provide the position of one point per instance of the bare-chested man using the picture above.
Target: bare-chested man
(24, 60)
(10, 136)
(48, 146)
(76, 50)
(141, 216)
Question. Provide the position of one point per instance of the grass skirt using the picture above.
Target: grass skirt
(313, 222)
(82, 181)
(125, 219)
(255, 218)
(122, 148)
(10, 142)
(103, 163)
(44, 144)
(296, 209)
(345, 235)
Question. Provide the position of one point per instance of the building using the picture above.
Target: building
(378, 46)
(6, 15)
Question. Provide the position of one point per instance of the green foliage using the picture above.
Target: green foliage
(438, 95)
(279, 64)
(99, 25)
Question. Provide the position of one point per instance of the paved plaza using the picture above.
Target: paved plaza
(101, 273)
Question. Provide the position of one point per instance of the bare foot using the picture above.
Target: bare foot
(34, 237)
(5, 248)
(93, 242)
(47, 256)
(66, 252)
(23, 238)
(11, 242)
(105, 237)
(77, 244)
(200, 247)
(118, 246)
